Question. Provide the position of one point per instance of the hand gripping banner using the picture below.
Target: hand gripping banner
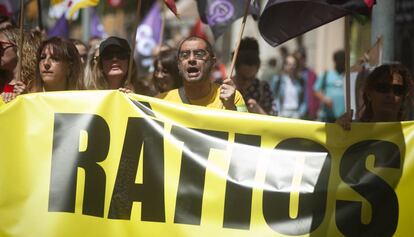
(103, 163)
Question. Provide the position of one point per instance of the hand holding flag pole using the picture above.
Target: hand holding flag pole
(228, 88)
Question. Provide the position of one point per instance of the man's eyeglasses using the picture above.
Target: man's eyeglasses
(397, 90)
(199, 54)
(119, 55)
(5, 45)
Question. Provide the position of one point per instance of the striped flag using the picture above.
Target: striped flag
(69, 7)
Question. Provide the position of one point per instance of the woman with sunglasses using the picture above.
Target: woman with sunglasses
(10, 85)
(111, 71)
(59, 67)
(385, 92)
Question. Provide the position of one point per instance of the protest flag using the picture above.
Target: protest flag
(61, 28)
(171, 5)
(69, 8)
(97, 29)
(220, 14)
(148, 36)
(277, 25)
(198, 30)
(75, 5)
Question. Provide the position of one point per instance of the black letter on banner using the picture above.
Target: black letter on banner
(308, 163)
(242, 171)
(197, 145)
(383, 200)
(151, 192)
(66, 159)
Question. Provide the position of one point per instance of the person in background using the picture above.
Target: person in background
(6, 22)
(288, 90)
(82, 50)
(196, 60)
(166, 75)
(309, 79)
(256, 93)
(270, 70)
(59, 67)
(94, 40)
(329, 88)
(91, 70)
(385, 93)
(219, 73)
(10, 85)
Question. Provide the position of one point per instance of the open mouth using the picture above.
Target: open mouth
(193, 72)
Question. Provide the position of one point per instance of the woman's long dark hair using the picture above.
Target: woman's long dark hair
(169, 61)
(64, 50)
(385, 73)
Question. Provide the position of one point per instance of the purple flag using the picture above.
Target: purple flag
(148, 36)
(220, 14)
(61, 28)
(282, 20)
(97, 29)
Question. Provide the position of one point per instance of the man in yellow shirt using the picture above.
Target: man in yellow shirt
(196, 60)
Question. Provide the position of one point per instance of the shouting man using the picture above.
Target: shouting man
(196, 60)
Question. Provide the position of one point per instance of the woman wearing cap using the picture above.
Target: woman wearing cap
(112, 67)
(59, 67)
(385, 92)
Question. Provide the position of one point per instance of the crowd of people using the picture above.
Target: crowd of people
(188, 74)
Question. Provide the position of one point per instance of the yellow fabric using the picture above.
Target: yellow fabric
(33, 133)
(78, 4)
(212, 100)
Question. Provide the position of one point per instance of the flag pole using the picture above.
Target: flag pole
(347, 63)
(20, 53)
(39, 15)
(236, 51)
(134, 41)
(162, 22)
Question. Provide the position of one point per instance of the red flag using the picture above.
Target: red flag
(198, 30)
(171, 5)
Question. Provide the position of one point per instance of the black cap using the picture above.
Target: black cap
(114, 41)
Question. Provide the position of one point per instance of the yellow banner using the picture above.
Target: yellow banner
(103, 163)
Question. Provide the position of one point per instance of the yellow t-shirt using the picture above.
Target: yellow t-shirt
(212, 100)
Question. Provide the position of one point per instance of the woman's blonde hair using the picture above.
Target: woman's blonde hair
(97, 80)
(29, 48)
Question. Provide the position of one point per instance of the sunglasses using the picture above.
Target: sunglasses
(199, 54)
(5, 45)
(121, 55)
(397, 90)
